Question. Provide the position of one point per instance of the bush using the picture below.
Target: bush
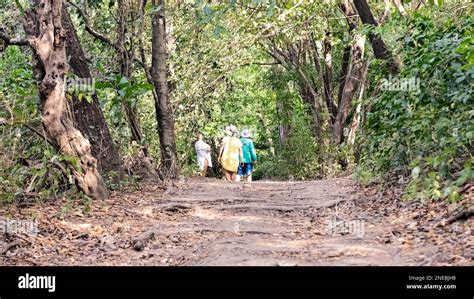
(426, 134)
(297, 159)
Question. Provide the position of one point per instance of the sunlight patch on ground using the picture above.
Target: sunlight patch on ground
(335, 250)
(214, 215)
(206, 214)
(91, 229)
(284, 244)
(145, 211)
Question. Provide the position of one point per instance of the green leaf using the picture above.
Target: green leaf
(103, 85)
(123, 82)
(88, 98)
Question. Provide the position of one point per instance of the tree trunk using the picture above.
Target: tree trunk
(310, 97)
(414, 5)
(327, 77)
(164, 111)
(283, 128)
(351, 85)
(307, 91)
(399, 5)
(357, 114)
(48, 42)
(126, 62)
(88, 117)
(386, 12)
(351, 18)
(378, 45)
(346, 57)
(126, 58)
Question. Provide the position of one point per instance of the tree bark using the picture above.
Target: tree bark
(327, 77)
(399, 5)
(352, 82)
(88, 117)
(307, 91)
(126, 63)
(346, 57)
(289, 59)
(47, 39)
(351, 19)
(386, 12)
(378, 45)
(310, 97)
(415, 4)
(164, 111)
(357, 114)
(283, 127)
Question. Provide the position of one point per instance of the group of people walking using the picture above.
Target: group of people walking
(237, 156)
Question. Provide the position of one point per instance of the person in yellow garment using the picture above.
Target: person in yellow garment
(230, 154)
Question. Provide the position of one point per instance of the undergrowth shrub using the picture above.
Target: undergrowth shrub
(425, 135)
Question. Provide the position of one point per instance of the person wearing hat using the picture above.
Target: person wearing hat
(249, 156)
(230, 154)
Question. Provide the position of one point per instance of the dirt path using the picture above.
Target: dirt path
(211, 222)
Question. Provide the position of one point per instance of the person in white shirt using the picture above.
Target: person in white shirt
(203, 153)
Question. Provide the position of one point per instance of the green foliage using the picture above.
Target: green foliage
(297, 155)
(297, 158)
(29, 166)
(222, 75)
(119, 93)
(426, 134)
(128, 183)
(221, 71)
(17, 98)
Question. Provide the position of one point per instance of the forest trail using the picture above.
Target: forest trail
(213, 222)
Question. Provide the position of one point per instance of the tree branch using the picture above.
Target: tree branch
(146, 68)
(12, 41)
(92, 31)
(40, 134)
(258, 63)
(100, 36)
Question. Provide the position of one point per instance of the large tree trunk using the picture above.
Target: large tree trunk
(126, 58)
(378, 45)
(164, 111)
(48, 41)
(352, 82)
(88, 116)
